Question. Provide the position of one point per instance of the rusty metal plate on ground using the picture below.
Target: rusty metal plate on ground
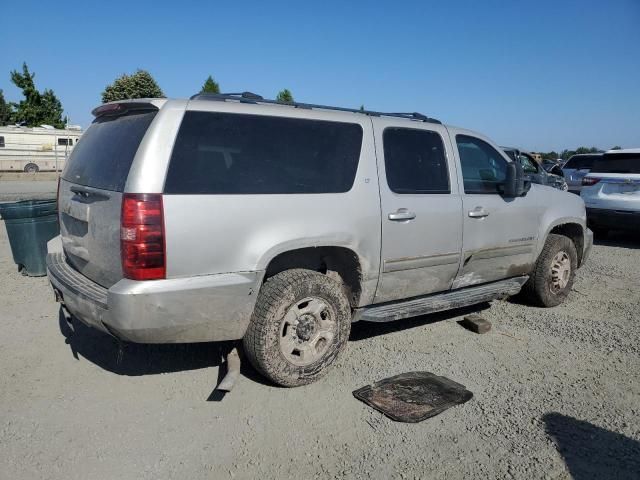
(413, 396)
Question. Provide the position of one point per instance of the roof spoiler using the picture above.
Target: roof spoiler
(119, 108)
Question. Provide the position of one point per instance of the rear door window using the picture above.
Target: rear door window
(103, 158)
(617, 163)
(415, 161)
(227, 153)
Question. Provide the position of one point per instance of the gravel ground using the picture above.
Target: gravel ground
(556, 395)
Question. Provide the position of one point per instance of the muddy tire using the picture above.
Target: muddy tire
(301, 322)
(554, 272)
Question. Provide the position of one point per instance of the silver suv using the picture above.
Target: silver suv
(231, 217)
(611, 192)
(576, 168)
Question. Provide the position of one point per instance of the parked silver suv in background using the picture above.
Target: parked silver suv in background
(611, 192)
(232, 217)
(576, 168)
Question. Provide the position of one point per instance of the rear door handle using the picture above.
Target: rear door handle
(478, 212)
(401, 215)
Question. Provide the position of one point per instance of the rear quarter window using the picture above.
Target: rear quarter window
(225, 153)
(104, 156)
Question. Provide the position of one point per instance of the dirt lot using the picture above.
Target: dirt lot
(556, 395)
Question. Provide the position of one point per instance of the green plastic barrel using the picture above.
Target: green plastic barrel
(30, 225)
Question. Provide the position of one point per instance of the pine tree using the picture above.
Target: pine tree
(285, 96)
(51, 109)
(139, 85)
(210, 86)
(36, 108)
(5, 111)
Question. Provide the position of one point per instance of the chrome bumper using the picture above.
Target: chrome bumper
(197, 309)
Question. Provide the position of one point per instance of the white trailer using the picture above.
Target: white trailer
(44, 148)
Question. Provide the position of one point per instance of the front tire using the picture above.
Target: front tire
(301, 322)
(554, 272)
(31, 168)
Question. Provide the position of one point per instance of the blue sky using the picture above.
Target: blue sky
(541, 75)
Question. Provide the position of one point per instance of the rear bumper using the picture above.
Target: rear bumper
(195, 309)
(614, 219)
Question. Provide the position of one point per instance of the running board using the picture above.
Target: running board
(388, 312)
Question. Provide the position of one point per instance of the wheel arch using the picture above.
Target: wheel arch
(28, 164)
(572, 228)
(339, 262)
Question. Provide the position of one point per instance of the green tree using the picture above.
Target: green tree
(285, 96)
(612, 148)
(582, 150)
(52, 110)
(210, 86)
(36, 108)
(362, 108)
(566, 154)
(139, 85)
(6, 111)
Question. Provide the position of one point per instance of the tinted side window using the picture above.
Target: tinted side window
(225, 153)
(415, 161)
(1, 141)
(483, 168)
(104, 157)
(617, 163)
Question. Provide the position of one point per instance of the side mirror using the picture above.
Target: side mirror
(514, 183)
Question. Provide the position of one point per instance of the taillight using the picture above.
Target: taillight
(588, 181)
(142, 236)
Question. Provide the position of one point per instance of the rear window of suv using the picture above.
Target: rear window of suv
(617, 163)
(104, 156)
(581, 161)
(228, 153)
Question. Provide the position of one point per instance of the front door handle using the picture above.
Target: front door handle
(478, 212)
(402, 215)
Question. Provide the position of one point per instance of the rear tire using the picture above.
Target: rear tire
(301, 322)
(31, 168)
(554, 272)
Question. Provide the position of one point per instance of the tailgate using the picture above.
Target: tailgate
(618, 179)
(90, 195)
(90, 231)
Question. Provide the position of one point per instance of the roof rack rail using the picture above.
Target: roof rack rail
(249, 97)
